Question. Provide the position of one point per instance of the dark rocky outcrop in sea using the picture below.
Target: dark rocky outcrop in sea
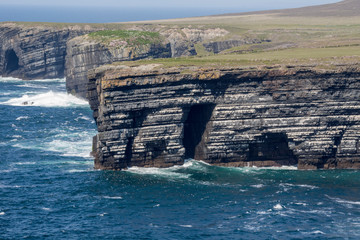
(155, 116)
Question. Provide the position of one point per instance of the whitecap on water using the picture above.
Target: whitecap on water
(79, 170)
(29, 85)
(69, 144)
(343, 201)
(48, 99)
(69, 148)
(186, 226)
(258, 186)
(21, 118)
(286, 186)
(172, 171)
(2, 213)
(278, 207)
(7, 186)
(165, 172)
(114, 198)
(10, 79)
(25, 163)
(83, 118)
(61, 80)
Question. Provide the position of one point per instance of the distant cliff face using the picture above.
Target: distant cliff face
(151, 116)
(105, 47)
(39, 51)
(34, 52)
(87, 52)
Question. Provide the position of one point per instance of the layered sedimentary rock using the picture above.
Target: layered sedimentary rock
(84, 53)
(35, 52)
(219, 46)
(154, 116)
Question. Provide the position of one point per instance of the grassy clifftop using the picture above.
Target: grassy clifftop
(321, 35)
(126, 37)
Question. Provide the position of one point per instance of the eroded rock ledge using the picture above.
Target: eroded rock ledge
(155, 116)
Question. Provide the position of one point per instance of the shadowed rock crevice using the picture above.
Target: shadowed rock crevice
(272, 147)
(128, 150)
(195, 127)
(12, 61)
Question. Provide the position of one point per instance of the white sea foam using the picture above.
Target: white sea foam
(69, 143)
(9, 79)
(21, 118)
(7, 171)
(25, 163)
(2, 213)
(114, 198)
(48, 99)
(286, 185)
(78, 170)
(278, 207)
(46, 209)
(30, 85)
(301, 204)
(339, 200)
(166, 172)
(60, 80)
(186, 226)
(83, 118)
(258, 186)
(69, 148)
(7, 186)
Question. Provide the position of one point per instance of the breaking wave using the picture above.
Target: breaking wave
(48, 99)
(206, 174)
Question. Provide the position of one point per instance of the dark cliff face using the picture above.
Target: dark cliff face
(230, 117)
(34, 52)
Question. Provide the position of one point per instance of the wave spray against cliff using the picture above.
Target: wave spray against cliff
(49, 189)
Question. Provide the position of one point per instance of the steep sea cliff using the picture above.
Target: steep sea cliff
(35, 51)
(151, 115)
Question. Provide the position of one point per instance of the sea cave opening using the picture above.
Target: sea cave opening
(195, 126)
(11, 61)
(274, 147)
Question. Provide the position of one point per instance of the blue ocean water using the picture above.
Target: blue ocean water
(49, 189)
